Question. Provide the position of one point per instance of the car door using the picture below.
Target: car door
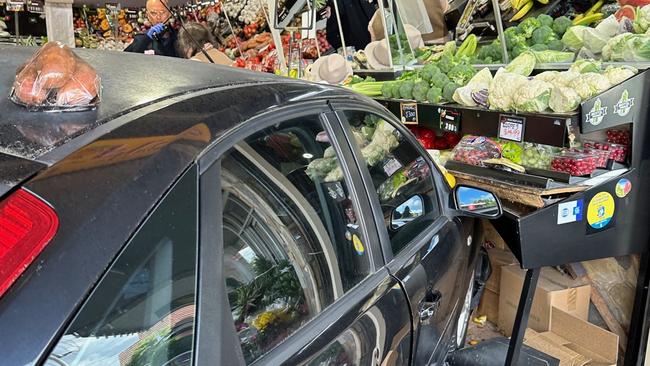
(421, 241)
(300, 269)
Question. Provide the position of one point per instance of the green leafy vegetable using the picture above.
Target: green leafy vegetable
(460, 74)
(556, 45)
(434, 95)
(561, 24)
(420, 90)
(573, 37)
(528, 26)
(406, 89)
(448, 90)
(545, 20)
(522, 64)
(551, 56)
(543, 35)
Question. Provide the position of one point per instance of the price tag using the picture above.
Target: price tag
(409, 113)
(512, 128)
(15, 6)
(449, 119)
(35, 6)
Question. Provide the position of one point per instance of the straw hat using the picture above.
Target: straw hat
(378, 55)
(333, 69)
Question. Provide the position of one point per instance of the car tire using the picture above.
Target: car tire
(464, 314)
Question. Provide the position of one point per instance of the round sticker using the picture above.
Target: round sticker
(623, 187)
(358, 245)
(600, 210)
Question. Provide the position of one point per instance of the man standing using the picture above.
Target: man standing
(355, 15)
(160, 39)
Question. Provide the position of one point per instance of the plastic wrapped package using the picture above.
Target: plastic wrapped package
(601, 156)
(576, 164)
(618, 136)
(537, 156)
(56, 79)
(617, 152)
(476, 149)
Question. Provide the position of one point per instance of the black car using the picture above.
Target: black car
(211, 216)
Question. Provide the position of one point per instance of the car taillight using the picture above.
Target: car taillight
(27, 224)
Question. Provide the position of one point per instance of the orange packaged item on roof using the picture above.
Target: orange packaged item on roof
(56, 79)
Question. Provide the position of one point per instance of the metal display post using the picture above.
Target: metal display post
(521, 319)
(502, 37)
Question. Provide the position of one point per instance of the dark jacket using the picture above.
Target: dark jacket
(355, 16)
(165, 46)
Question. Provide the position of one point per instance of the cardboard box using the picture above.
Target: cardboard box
(575, 342)
(489, 305)
(553, 290)
(498, 258)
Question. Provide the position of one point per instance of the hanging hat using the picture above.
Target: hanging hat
(333, 69)
(414, 36)
(378, 55)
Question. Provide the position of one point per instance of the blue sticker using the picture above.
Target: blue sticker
(571, 211)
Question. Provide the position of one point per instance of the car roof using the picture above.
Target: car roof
(32, 141)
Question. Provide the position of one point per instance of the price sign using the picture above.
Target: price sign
(449, 119)
(15, 6)
(35, 6)
(409, 113)
(512, 128)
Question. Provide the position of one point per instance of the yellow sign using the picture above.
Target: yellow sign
(600, 210)
(358, 245)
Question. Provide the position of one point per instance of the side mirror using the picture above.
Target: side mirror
(408, 211)
(476, 202)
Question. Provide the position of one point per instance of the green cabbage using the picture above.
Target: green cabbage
(573, 37)
(533, 96)
(550, 56)
(563, 100)
(522, 64)
(584, 66)
(593, 40)
(545, 20)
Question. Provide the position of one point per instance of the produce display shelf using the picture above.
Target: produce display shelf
(380, 75)
(548, 129)
(559, 66)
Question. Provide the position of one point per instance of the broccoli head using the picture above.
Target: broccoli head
(440, 80)
(429, 71)
(420, 90)
(528, 26)
(539, 47)
(395, 86)
(446, 63)
(561, 24)
(491, 51)
(387, 89)
(460, 74)
(406, 89)
(434, 95)
(448, 90)
(543, 35)
(556, 45)
(545, 20)
(513, 38)
(518, 50)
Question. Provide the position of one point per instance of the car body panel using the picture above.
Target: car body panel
(104, 171)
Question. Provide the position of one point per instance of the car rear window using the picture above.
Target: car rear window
(142, 311)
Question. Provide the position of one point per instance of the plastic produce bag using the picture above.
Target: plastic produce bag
(537, 156)
(608, 27)
(475, 149)
(593, 40)
(55, 79)
(522, 64)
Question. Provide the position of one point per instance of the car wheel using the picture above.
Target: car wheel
(465, 312)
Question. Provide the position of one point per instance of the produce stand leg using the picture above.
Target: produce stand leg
(638, 334)
(521, 319)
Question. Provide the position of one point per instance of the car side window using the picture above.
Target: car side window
(292, 240)
(401, 176)
(142, 310)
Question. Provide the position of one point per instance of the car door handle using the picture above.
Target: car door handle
(430, 305)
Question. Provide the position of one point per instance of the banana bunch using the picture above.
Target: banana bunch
(590, 16)
(523, 7)
(468, 47)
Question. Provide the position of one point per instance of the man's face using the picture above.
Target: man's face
(156, 12)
